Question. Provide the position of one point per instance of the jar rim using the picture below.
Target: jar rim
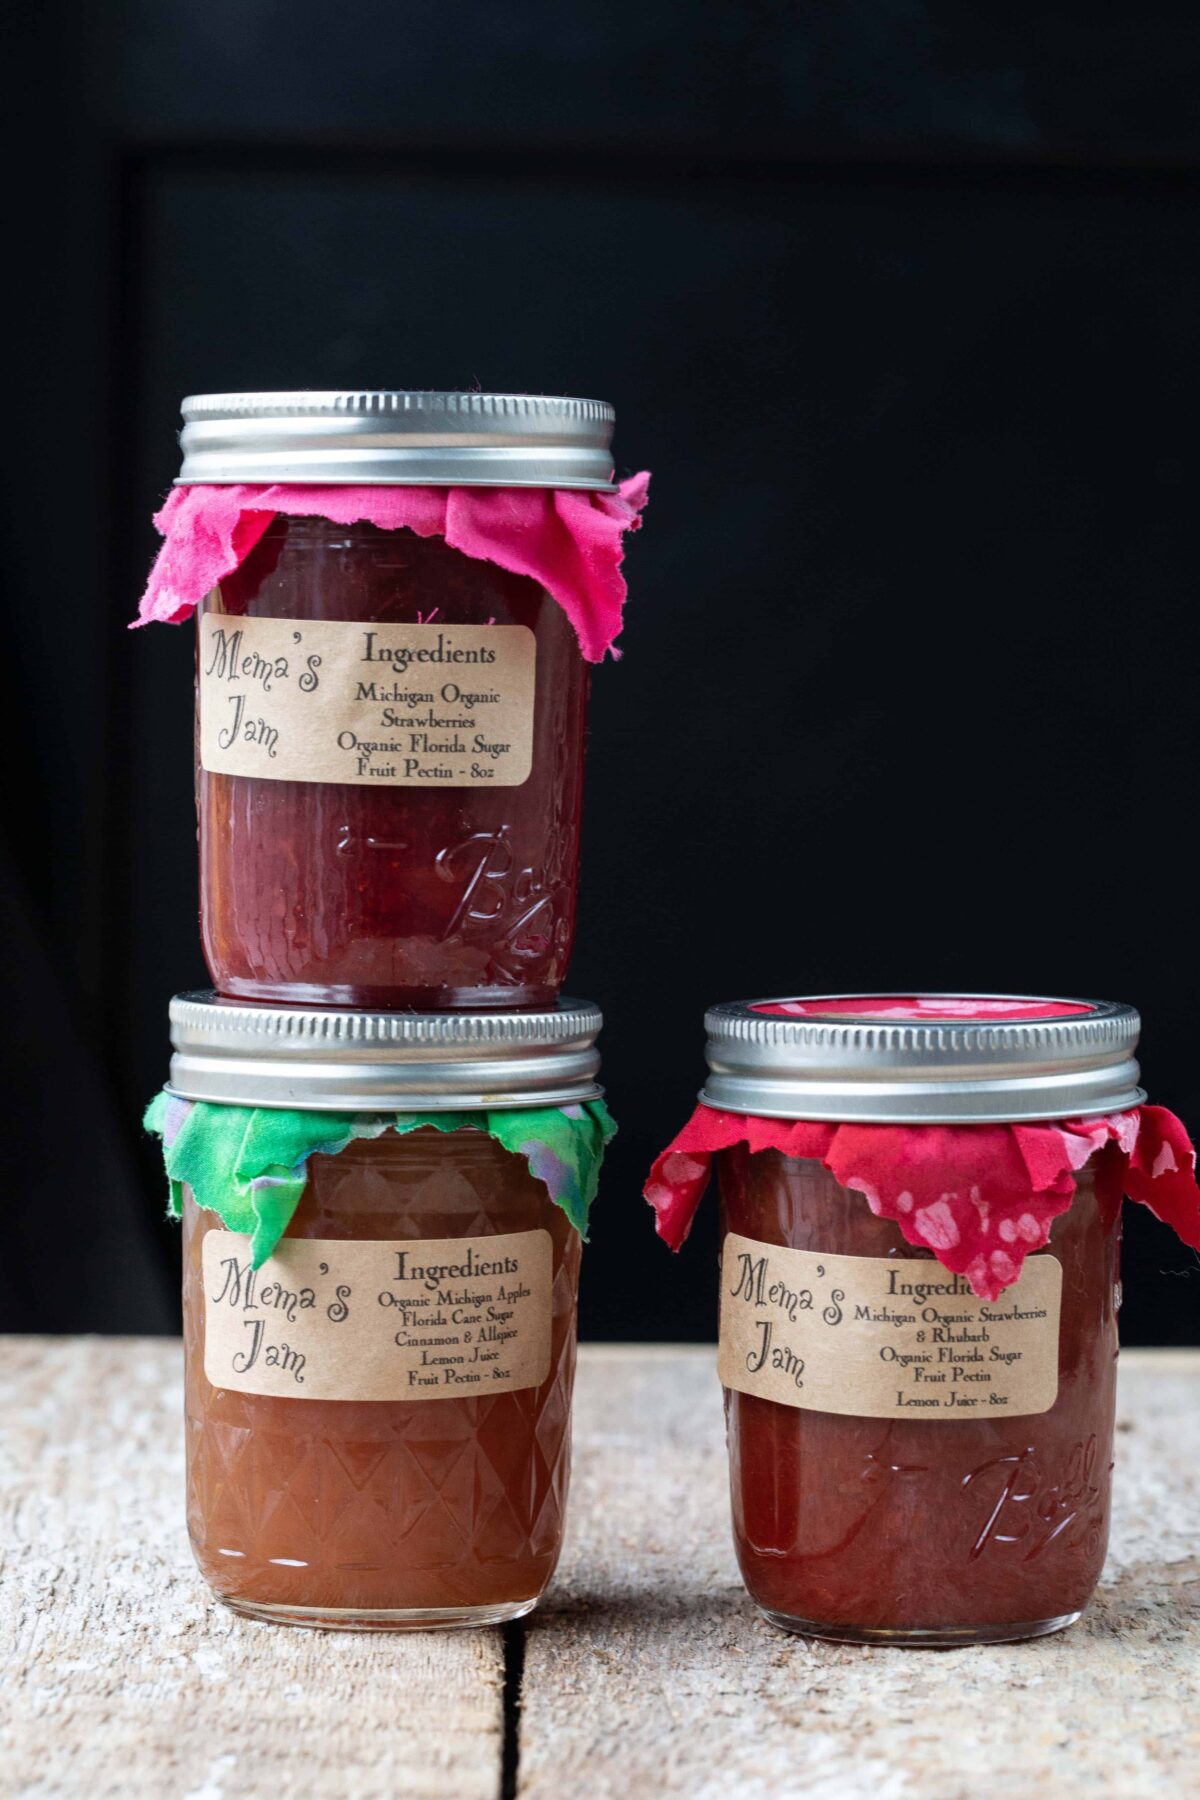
(318, 1059)
(397, 437)
(815, 1057)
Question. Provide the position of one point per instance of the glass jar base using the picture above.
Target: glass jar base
(400, 1618)
(386, 999)
(938, 1637)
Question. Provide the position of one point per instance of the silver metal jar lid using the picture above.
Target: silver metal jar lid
(246, 1055)
(826, 1064)
(393, 437)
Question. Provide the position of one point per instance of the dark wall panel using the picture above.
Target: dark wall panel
(900, 701)
(1082, 79)
(899, 304)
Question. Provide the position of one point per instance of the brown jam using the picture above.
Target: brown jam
(936, 1530)
(387, 1512)
(432, 896)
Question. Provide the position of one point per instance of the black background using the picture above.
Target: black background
(898, 302)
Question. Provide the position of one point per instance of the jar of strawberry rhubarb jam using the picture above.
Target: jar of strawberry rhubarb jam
(391, 701)
(383, 1221)
(920, 1225)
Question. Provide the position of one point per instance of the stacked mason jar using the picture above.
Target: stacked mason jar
(383, 1128)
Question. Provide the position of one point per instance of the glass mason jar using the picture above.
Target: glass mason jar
(947, 1530)
(379, 1417)
(390, 733)
(933, 1504)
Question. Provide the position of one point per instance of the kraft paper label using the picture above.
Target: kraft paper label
(364, 705)
(884, 1339)
(414, 1319)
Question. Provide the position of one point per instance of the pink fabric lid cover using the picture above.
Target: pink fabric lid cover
(571, 542)
(981, 1197)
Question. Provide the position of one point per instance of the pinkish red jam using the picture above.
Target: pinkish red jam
(433, 897)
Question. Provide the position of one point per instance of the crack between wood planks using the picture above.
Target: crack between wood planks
(514, 1675)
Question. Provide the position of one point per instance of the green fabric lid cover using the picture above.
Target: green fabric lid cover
(249, 1165)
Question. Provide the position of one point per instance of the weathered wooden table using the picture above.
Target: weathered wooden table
(646, 1671)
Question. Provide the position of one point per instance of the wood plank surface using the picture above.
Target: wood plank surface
(647, 1671)
(121, 1677)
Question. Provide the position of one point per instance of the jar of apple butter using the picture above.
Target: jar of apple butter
(390, 731)
(920, 1229)
(383, 1220)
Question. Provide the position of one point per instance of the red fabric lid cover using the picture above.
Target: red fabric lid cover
(981, 1197)
(924, 1008)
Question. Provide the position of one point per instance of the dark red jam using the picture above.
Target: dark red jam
(433, 897)
(941, 1530)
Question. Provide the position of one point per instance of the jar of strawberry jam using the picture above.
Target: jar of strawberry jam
(920, 1226)
(382, 1221)
(390, 721)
